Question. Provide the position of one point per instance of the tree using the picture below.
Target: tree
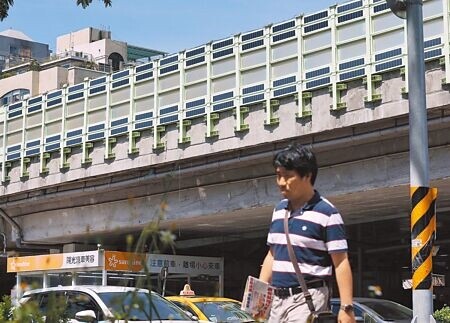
(442, 315)
(6, 4)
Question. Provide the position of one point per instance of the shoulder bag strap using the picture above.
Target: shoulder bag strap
(294, 261)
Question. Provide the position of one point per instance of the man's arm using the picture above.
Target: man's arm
(345, 284)
(266, 268)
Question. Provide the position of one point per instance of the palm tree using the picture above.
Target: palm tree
(6, 4)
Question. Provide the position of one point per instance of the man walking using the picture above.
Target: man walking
(318, 237)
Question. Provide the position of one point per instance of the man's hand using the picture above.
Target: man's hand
(346, 317)
(345, 285)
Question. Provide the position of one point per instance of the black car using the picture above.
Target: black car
(373, 310)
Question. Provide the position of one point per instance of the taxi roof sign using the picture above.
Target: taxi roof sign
(187, 291)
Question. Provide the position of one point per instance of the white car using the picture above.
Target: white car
(104, 303)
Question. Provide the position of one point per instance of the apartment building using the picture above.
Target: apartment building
(86, 53)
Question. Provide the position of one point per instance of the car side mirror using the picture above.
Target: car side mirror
(191, 316)
(359, 319)
(86, 316)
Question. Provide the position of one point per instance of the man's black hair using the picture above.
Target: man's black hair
(299, 158)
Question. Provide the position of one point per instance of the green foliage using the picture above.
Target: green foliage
(29, 311)
(5, 309)
(4, 8)
(152, 238)
(85, 3)
(6, 75)
(57, 309)
(35, 66)
(5, 5)
(90, 65)
(442, 315)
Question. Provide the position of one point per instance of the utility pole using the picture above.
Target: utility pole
(423, 215)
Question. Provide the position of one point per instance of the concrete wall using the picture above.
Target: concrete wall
(69, 41)
(240, 191)
(52, 79)
(47, 80)
(28, 80)
(228, 183)
(76, 75)
(322, 126)
(92, 41)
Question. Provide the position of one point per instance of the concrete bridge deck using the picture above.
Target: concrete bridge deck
(227, 186)
(191, 136)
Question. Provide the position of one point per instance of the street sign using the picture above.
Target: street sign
(438, 280)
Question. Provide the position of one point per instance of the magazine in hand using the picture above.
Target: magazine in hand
(257, 299)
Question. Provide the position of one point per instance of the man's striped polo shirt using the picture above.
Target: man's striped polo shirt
(316, 231)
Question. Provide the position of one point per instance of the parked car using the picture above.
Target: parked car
(373, 310)
(103, 303)
(212, 309)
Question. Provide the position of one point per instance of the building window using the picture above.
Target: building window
(13, 50)
(25, 52)
(13, 96)
(116, 60)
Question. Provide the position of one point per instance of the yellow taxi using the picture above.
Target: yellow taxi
(211, 309)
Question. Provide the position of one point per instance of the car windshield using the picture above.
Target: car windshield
(224, 312)
(389, 311)
(141, 306)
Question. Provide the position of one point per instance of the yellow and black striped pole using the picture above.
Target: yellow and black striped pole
(423, 198)
(423, 231)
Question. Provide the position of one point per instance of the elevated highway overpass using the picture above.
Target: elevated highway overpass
(187, 141)
(225, 186)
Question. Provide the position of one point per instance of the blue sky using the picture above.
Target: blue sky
(167, 25)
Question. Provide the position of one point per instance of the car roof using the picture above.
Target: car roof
(195, 299)
(364, 299)
(86, 288)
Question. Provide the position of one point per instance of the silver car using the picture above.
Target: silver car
(373, 310)
(104, 303)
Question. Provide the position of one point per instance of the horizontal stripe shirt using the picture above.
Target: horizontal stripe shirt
(316, 231)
